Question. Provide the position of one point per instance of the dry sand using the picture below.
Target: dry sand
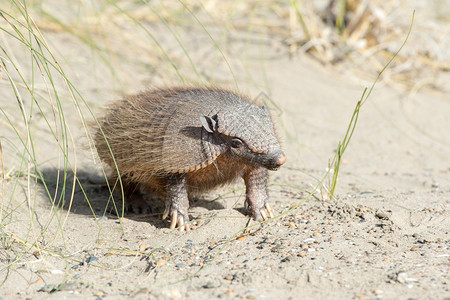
(386, 236)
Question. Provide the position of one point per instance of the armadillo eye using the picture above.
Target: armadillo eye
(236, 143)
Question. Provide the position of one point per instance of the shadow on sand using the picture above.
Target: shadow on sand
(91, 196)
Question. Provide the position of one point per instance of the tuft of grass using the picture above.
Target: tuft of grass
(342, 145)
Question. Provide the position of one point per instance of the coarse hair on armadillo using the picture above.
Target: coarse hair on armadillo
(159, 131)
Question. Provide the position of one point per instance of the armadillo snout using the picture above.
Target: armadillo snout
(280, 159)
(277, 159)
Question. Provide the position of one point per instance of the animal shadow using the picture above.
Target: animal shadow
(89, 194)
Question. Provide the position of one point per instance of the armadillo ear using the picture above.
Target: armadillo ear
(210, 124)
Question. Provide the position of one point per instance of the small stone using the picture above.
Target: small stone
(228, 277)
(39, 280)
(99, 294)
(414, 248)
(309, 241)
(402, 277)
(49, 288)
(161, 262)
(382, 215)
(91, 259)
(180, 265)
(378, 292)
(286, 259)
(210, 285)
(144, 247)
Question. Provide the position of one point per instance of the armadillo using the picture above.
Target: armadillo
(187, 140)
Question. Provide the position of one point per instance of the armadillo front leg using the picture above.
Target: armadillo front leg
(177, 202)
(256, 193)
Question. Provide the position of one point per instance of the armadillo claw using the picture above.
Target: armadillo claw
(269, 211)
(177, 220)
(181, 225)
(173, 222)
(263, 214)
(166, 212)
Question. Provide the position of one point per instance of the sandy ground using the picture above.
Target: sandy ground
(386, 236)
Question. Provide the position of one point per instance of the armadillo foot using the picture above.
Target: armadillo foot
(177, 219)
(138, 205)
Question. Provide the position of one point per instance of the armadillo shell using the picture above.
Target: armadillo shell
(158, 132)
(185, 135)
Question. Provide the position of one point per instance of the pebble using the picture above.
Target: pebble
(286, 259)
(180, 265)
(382, 215)
(309, 241)
(378, 292)
(228, 277)
(49, 288)
(91, 259)
(402, 277)
(99, 294)
(144, 247)
(210, 285)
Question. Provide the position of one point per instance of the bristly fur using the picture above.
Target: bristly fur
(158, 133)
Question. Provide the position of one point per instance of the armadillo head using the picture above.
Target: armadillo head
(249, 133)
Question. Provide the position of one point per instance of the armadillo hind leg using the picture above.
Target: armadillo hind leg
(257, 198)
(177, 203)
(134, 201)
